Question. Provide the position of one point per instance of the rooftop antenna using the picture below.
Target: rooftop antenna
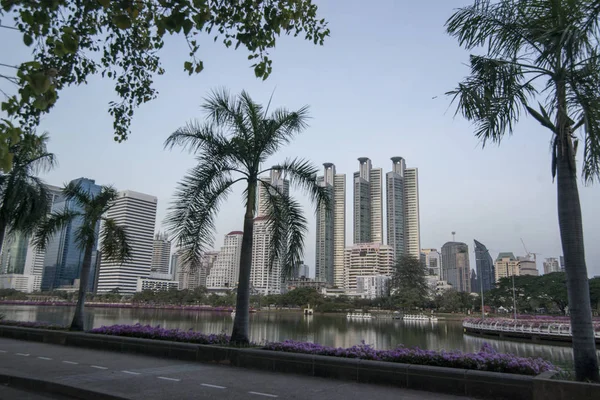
(453, 233)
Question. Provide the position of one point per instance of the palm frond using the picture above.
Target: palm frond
(74, 191)
(104, 200)
(191, 216)
(115, 242)
(493, 97)
(280, 128)
(53, 224)
(287, 227)
(31, 154)
(29, 206)
(584, 99)
(232, 112)
(303, 174)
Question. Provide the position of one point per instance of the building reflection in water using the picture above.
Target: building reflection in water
(329, 330)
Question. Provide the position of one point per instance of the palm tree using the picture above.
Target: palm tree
(24, 199)
(232, 147)
(543, 51)
(114, 244)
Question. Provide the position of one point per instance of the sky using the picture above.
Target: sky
(375, 89)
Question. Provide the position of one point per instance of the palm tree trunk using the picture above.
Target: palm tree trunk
(2, 234)
(571, 233)
(84, 277)
(239, 334)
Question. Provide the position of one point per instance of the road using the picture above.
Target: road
(147, 378)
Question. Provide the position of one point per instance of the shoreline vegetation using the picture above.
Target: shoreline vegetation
(487, 359)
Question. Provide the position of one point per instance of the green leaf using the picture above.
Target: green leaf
(28, 40)
(187, 26)
(122, 21)
(199, 67)
(104, 3)
(187, 66)
(71, 42)
(40, 83)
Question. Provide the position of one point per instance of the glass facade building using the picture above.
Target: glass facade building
(485, 267)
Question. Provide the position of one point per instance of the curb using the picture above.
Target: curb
(43, 386)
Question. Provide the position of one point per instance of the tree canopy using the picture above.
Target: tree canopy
(71, 40)
(408, 285)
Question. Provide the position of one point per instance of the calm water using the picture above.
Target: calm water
(331, 330)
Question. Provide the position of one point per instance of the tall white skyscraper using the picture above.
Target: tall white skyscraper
(402, 195)
(161, 253)
(331, 230)
(276, 182)
(136, 212)
(263, 278)
(368, 203)
(412, 224)
(226, 267)
(367, 259)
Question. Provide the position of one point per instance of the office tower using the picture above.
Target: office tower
(192, 277)
(433, 262)
(551, 265)
(402, 195)
(14, 253)
(562, 263)
(367, 259)
(368, 203)
(63, 257)
(455, 266)
(485, 266)
(264, 277)
(136, 212)
(527, 266)
(34, 264)
(506, 265)
(475, 282)
(174, 265)
(331, 229)
(412, 228)
(373, 286)
(304, 271)
(226, 268)
(161, 252)
(395, 206)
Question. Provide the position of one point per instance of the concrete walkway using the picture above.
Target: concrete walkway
(141, 377)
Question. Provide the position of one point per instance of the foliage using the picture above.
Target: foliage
(73, 40)
(487, 359)
(24, 199)
(12, 294)
(408, 285)
(453, 301)
(158, 333)
(532, 292)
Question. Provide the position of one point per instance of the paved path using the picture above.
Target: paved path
(148, 378)
(9, 393)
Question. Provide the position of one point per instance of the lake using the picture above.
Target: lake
(330, 329)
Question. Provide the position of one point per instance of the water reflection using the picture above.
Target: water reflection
(331, 330)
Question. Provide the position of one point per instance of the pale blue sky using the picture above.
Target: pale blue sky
(371, 89)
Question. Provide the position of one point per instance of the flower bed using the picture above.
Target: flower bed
(487, 359)
(28, 324)
(158, 333)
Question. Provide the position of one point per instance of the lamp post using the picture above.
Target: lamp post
(513, 288)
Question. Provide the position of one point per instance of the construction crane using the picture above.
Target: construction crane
(528, 253)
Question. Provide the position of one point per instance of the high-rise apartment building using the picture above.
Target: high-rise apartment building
(264, 278)
(432, 262)
(402, 195)
(367, 259)
(226, 267)
(368, 203)
(136, 212)
(63, 257)
(485, 267)
(551, 265)
(527, 266)
(506, 265)
(190, 277)
(455, 262)
(275, 182)
(331, 229)
(161, 253)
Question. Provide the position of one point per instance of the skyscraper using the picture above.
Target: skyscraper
(226, 267)
(331, 229)
(136, 212)
(485, 266)
(275, 181)
(433, 262)
(63, 257)
(402, 195)
(412, 227)
(367, 259)
(14, 253)
(264, 278)
(455, 262)
(368, 203)
(506, 265)
(161, 252)
(551, 265)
